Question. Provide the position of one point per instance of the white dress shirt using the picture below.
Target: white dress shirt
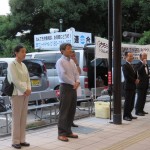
(67, 71)
(146, 70)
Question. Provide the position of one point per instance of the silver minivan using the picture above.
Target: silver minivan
(85, 57)
(50, 58)
(37, 73)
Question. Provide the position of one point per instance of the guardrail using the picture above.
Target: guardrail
(39, 106)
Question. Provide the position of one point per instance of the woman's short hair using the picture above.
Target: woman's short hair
(17, 48)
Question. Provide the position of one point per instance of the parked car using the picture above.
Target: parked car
(37, 72)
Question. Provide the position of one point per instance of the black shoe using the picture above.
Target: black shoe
(74, 125)
(145, 112)
(132, 117)
(140, 114)
(17, 146)
(25, 144)
(127, 119)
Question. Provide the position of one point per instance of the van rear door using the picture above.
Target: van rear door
(101, 68)
(38, 74)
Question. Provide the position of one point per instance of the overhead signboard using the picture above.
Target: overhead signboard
(101, 49)
(53, 40)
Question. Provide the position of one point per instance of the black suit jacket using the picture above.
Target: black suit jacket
(130, 77)
(142, 75)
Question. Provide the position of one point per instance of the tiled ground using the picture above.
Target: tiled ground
(94, 134)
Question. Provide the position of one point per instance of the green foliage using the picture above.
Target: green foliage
(84, 15)
(136, 16)
(145, 39)
(5, 27)
(8, 46)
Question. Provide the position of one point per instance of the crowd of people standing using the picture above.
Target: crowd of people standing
(136, 78)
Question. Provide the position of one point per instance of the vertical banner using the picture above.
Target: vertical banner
(101, 48)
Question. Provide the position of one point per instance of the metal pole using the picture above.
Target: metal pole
(117, 117)
(61, 22)
(110, 39)
(60, 27)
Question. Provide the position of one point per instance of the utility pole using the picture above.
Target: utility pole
(110, 39)
(117, 19)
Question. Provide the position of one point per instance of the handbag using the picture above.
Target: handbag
(2, 106)
(7, 88)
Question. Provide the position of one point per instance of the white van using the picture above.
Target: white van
(50, 58)
(85, 57)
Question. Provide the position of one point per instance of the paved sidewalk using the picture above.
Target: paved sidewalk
(94, 134)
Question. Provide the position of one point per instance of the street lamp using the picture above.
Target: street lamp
(60, 22)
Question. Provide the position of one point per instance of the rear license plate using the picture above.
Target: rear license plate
(35, 82)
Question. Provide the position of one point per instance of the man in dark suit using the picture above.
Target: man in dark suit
(143, 76)
(130, 82)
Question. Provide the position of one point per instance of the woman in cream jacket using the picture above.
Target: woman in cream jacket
(18, 74)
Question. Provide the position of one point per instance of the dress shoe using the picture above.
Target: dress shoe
(74, 125)
(17, 146)
(127, 119)
(140, 114)
(132, 117)
(25, 144)
(145, 112)
(72, 136)
(63, 138)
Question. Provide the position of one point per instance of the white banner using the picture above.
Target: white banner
(101, 50)
(52, 41)
(81, 38)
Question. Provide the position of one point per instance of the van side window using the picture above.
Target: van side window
(3, 69)
(49, 59)
(28, 56)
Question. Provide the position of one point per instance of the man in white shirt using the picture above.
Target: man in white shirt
(69, 82)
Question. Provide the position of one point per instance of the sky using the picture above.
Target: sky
(4, 7)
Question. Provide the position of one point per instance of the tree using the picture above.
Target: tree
(145, 39)
(136, 16)
(9, 45)
(5, 27)
(42, 14)
(84, 15)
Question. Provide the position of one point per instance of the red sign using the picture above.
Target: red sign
(109, 78)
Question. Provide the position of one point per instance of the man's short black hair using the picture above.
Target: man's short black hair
(140, 55)
(126, 54)
(64, 45)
